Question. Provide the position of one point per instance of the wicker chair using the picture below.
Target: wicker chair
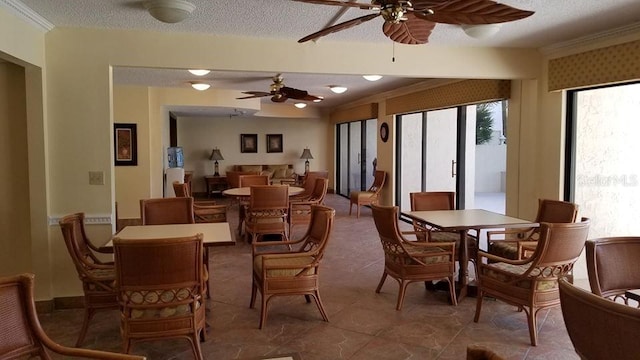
(532, 284)
(309, 184)
(21, 335)
(360, 198)
(438, 200)
(293, 272)
(160, 290)
(612, 264)
(522, 242)
(203, 212)
(267, 211)
(97, 276)
(250, 180)
(176, 210)
(599, 329)
(411, 261)
(300, 211)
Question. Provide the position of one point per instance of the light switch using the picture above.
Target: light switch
(96, 178)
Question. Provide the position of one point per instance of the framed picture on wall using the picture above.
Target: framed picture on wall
(274, 143)
(249, 143)
(125, 144)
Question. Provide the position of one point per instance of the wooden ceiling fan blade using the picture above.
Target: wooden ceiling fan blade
(292, 93)
(339, 27)
(414, 31)
(473, 12)
(340, 3)
(254, 94)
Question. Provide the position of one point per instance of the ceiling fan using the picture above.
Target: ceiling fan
(280, 93)
(411, 22)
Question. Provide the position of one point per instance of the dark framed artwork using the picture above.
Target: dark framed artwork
(125, 144)
(274, 143)
(249, 143)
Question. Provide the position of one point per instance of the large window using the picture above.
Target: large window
(603, 172)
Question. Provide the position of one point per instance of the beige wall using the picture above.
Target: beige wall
(70, 122)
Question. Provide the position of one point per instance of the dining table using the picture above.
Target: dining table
(462, 221)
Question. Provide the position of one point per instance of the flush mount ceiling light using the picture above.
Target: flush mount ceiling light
(199, 72)
(337, 89)
(300, 105)
(372, 77)
(482, 31)
(200, 85)
(169, 11)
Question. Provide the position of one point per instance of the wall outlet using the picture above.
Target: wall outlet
(96, 177)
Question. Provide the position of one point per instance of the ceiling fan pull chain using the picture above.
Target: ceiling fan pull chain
(393, 56)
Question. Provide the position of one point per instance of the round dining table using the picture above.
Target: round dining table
(246, 191)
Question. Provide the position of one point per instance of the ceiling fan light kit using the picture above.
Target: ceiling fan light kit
(372, 77)
(169, 11)
(481, 31)
(281, 93)
(200, 86)
(411, 22)
(199, 72)
(337, 89)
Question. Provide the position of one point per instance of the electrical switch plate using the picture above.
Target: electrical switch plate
(96, 178)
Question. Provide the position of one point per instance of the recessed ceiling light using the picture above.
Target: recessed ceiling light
(372, 77)
(319, 98)
(300, 105)
(199, 72)
(337, 89)
(200, 86)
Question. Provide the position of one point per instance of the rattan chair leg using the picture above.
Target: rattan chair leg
(533, 330)
(318, 301)
(452, 291)
(403, 289)
(254, 289)
(384, 277)
(263, 311)
(480, 295)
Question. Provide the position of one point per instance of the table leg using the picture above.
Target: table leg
(208, 188)
(463, 260)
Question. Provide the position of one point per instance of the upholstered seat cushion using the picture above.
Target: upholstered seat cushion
(160, 297)
(504, 272)
(361, 195)
(294, 265)
(505, 249)
(426, 254)
(103, 276)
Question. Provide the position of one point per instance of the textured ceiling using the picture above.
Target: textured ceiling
(554, 21)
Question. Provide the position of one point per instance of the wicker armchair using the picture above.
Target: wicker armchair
(360, 198)
(300, 211)
(97, 277)
(532, 284)
(309, 183)
(21, 335)
(599, 328)
(160, 290)
(411, 261)
(203, 212)
(176, 210)
(267, 211)
(612, 264)
(293, 272)
(522, 242)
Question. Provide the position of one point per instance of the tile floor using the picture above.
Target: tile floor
(363, 324)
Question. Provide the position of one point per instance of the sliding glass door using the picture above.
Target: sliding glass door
(356, 155)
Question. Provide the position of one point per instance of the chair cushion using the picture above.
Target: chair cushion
(507, 272)
(508, 250)
(268, 173)
(159, 297)
(292, 262)
(361, 195)
(425, 254)
(103, 276)
(251, 168)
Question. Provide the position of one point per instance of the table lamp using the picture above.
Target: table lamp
(306, 155)
(216, 155)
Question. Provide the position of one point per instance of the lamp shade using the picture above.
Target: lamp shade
(306, 154)
(216, 155)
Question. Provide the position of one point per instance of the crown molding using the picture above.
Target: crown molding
(23, 11)
(95, 219)
(619, 34)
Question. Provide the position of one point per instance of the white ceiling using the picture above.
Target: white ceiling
(554, 21)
